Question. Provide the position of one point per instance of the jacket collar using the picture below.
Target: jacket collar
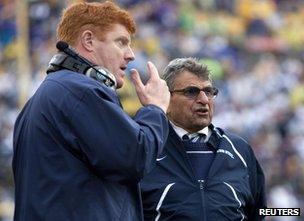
(213, 141)
(215, 137)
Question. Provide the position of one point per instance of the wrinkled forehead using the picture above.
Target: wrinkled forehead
(187, 78)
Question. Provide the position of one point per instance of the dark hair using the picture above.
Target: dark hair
(179, 65)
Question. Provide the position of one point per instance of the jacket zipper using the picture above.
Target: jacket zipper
(200, 182)
(201, 186)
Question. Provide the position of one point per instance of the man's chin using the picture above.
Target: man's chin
(204, 123)
(120, 83)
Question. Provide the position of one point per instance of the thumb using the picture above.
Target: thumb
(135, 78)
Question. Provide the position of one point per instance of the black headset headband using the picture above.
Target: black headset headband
(63, 61)
(68, 59)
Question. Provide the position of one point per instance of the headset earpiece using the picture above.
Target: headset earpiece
(102, 75)
(63, 61)
(69, 59)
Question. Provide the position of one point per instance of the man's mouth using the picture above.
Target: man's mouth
(202, 111)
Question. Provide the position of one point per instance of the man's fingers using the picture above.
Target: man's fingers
(135, 78)
(153, 71)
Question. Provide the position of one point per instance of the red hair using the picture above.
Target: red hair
(97, 17)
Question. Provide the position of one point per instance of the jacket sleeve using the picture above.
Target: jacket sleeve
(257, 184)
(117, 147)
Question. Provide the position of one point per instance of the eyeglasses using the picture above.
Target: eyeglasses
(192, 92)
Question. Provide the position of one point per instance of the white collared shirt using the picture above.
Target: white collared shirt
(181, 132)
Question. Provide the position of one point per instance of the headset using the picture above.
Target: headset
(67, 58)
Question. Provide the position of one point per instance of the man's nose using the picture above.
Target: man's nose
(129, 55)
(202, 98)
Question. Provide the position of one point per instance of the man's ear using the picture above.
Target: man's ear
(87, 40)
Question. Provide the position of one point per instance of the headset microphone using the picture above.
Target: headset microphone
(71, 60)
(63, 46)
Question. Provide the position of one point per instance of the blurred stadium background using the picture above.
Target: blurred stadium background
(254, 48)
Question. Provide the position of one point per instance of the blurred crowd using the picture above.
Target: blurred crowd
(254, 49)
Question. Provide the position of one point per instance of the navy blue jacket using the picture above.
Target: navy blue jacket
(78, 156)
(233, 189)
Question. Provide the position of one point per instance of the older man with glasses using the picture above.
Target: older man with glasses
(204, 173)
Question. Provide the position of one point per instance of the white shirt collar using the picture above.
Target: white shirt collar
(181, 132)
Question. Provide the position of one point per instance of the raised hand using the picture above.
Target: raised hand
(155, 91)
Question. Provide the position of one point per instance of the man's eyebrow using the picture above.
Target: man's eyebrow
(124, 39)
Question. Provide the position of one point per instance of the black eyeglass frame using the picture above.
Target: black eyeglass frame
(193, 91)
